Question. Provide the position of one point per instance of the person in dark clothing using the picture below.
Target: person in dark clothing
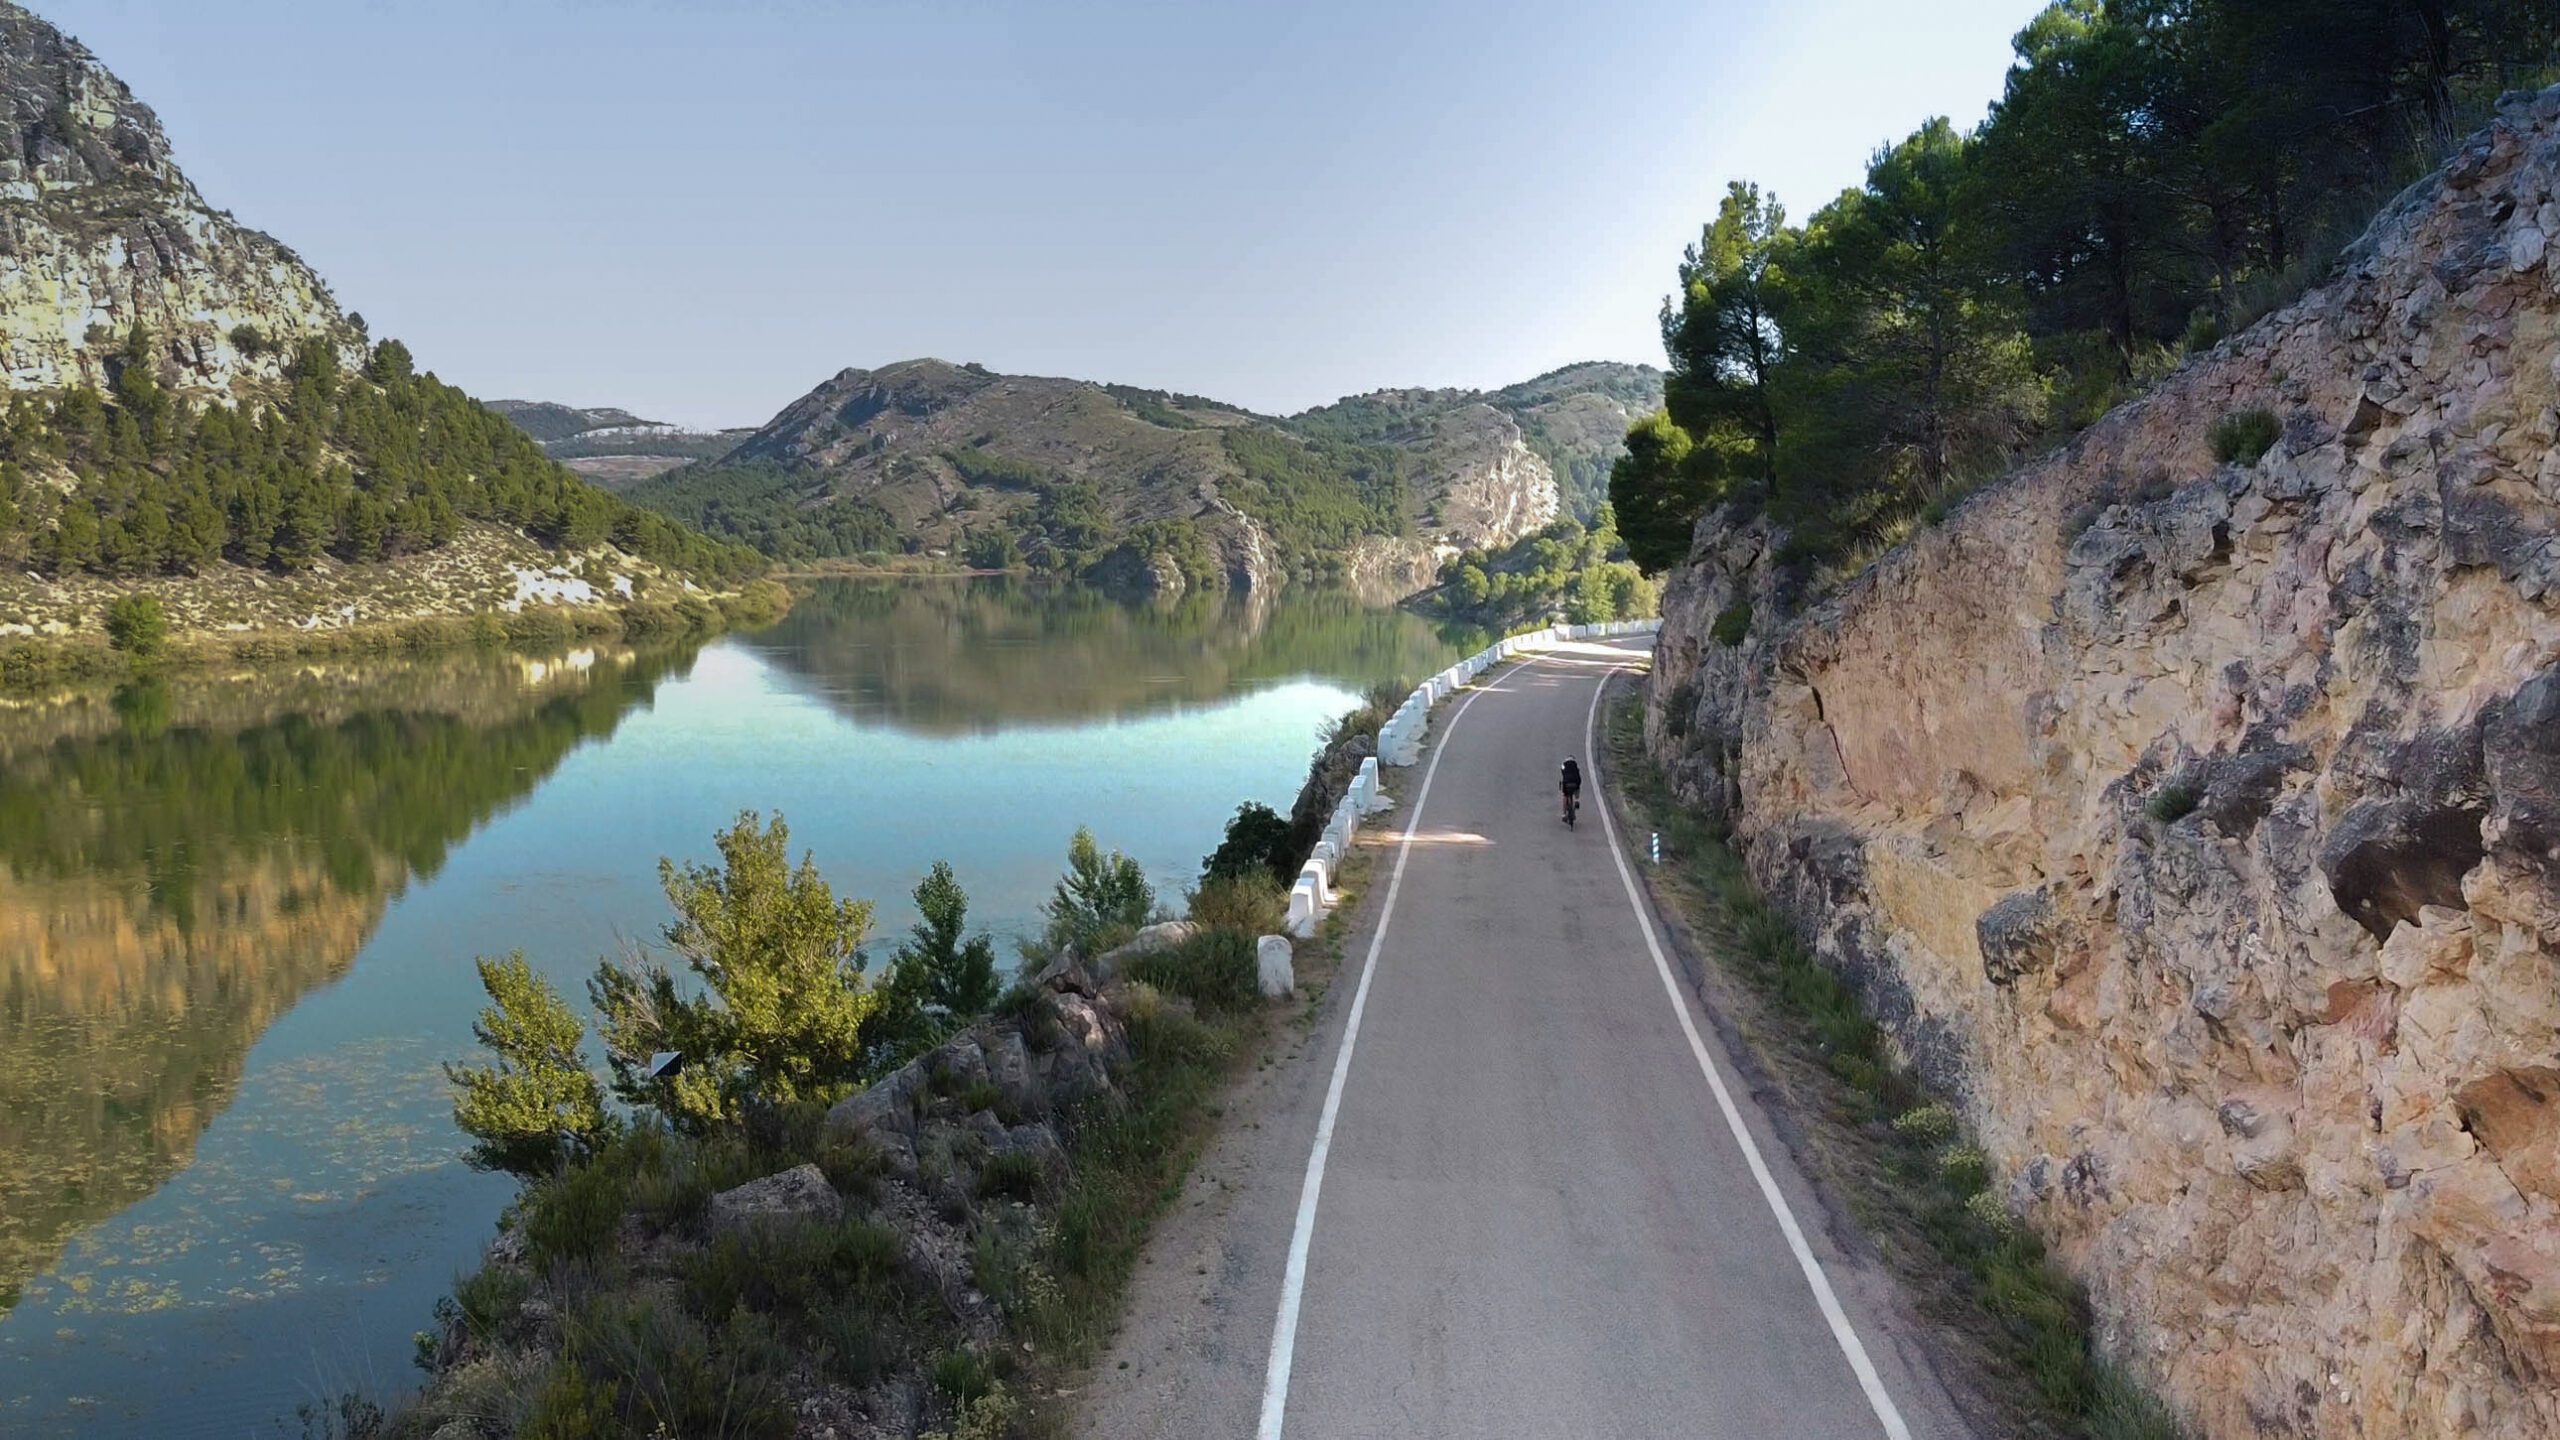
(1571, 783)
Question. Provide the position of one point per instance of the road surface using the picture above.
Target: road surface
(1511, 1186)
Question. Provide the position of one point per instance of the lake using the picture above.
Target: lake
(238, 914)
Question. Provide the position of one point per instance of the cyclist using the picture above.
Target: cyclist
(1571, 783)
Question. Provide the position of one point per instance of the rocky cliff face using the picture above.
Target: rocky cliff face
(99, 231)
(2199, 825)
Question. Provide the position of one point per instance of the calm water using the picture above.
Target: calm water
(237, 919)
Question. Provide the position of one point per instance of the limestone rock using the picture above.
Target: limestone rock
(2277, 1077)
(100, 231)
(800, 1193)
(1146, 942)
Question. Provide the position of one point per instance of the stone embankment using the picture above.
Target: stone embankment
(2198, 824)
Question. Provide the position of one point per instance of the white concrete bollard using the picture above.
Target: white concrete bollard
(1319, 868)
(1373, 796)
(1304, 914)
(1274, 964)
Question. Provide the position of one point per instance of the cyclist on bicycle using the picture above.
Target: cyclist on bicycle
(1571, 784)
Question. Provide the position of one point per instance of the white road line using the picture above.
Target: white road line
(1293, 1284)
(1823, 1295)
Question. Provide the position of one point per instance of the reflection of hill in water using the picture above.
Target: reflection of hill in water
(950, 657)
(166, 893)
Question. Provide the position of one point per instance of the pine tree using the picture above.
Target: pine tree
(537, 1107)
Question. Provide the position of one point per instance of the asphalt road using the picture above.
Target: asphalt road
(1499, 1193)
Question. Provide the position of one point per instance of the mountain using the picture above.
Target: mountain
(190, 417)
(612, 446)
(1156, 489)
(99, 231)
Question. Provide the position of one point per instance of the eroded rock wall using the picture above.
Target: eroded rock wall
(2197, 824)
(100, 232)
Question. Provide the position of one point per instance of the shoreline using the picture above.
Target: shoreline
(29, 664)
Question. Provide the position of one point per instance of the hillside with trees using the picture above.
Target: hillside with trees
(231, 452)
(2156, 176)
(1157, 489)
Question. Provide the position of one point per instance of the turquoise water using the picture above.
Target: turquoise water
(237, 920)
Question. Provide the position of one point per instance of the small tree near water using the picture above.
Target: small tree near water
(1102, 899)
(1259, 840)
(137, 626)
(537, 1108)
(780, 959)
(945, 980)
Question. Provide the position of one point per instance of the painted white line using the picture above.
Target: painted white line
(1293, 1283)
(1823, 1295)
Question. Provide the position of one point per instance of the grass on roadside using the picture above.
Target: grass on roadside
(1903, 1160)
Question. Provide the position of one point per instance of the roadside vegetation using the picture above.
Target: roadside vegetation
(936, 1280)
(2157, 175)
(140, 639)
(1581, 576)
(1899, 1156)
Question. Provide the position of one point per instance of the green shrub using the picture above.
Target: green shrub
(669, 1374)
(537, 1107)
(490, 1298)
(1733, 622)
(1101, 901)
(2172, 802)
(137, 625)
(1216, 970)
(994, 1415)
(1966, 1167)
(789, 1269)
(779, 1013)
(1259, 841)
(575, 1215)
(1252, 904)
(571, 1405)
(2244, 435)
(855, 1342)
(1013, 1175)
(961, 1375)
(1931, 1124)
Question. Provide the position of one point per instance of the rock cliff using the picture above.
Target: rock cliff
(2198, 824)
(99, 231)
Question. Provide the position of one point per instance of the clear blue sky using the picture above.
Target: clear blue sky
(700, 208)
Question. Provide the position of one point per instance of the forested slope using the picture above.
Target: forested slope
(191, 416)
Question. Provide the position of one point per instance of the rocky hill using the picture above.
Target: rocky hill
(2193, 819)
(190, 418)
(99, 232)
(1158, 489)
(612, 446)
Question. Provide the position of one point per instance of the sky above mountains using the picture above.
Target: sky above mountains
(699, 208)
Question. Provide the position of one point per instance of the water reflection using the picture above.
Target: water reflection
(237, 914)
(979, 655)
(178, 869)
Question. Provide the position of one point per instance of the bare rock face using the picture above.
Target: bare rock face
(99, 231)
(1490, 487)
(2199, 826)
(796, 1194)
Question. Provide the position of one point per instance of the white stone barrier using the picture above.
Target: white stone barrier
(1304, 914)
(1365, 787)
(1274, 965)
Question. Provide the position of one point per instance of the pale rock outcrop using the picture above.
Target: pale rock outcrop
(99, 231)
(2198, 825)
